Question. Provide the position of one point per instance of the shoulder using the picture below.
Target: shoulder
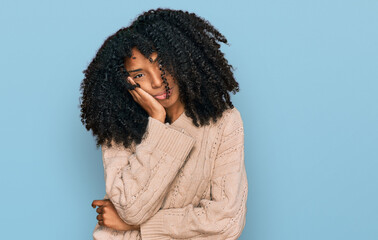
(233, 122)
(230, 119)
(229, 122)
(234, 115)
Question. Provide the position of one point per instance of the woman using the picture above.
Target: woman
(156, 97)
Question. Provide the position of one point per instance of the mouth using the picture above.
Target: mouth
(163, 95)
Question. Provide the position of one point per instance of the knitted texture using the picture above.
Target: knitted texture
(180, 182)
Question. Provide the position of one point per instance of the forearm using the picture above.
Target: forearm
(137, 189)
(223, 215)
(220, 219)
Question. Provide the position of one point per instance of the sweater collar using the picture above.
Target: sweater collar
(182, 120)
(186, 123)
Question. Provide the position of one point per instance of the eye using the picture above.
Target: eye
(138, 76)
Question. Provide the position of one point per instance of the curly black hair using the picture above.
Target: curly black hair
(188, 48)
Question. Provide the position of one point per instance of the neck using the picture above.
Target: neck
(174, 112)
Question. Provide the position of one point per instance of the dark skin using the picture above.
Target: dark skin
(109, 217)
(147, 75)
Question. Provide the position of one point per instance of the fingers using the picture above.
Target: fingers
(100, 209)
(99, 203)
(100, 217)
(138, 93)
(131, 81)
(134, 92)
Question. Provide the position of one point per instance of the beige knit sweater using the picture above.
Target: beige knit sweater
(180, 182)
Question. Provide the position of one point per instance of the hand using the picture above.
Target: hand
(109, 217)
(148, 102)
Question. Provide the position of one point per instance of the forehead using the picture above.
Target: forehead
(137, 59)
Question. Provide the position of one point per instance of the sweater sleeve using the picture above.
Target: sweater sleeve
(221, 217)
(136, 182)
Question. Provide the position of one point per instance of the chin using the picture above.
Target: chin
(167, 103)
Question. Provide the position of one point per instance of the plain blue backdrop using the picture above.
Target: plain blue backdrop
(308, 74)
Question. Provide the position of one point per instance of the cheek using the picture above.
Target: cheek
(176, 93)
(173, 84)
(142, 85)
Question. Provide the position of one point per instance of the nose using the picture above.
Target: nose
(156, 81)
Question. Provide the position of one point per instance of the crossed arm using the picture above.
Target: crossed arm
(136, 184)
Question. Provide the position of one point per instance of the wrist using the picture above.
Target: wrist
(159, 118)
(135, 227)
(127, 227)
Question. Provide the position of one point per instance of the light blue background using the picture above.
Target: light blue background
(308, 73)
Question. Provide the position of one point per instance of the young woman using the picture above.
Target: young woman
(157, 98)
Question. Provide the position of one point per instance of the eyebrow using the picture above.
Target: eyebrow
(136, 70)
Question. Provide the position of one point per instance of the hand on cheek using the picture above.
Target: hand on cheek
(148, 102)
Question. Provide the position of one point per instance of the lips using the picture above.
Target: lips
(163, 95)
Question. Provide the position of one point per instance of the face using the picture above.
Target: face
(148, 75)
